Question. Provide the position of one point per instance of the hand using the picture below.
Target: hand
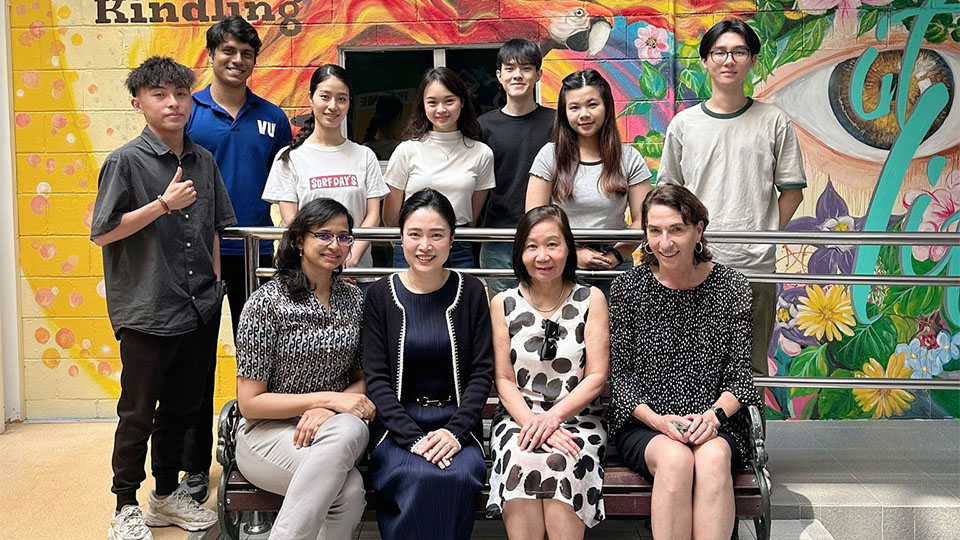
(665, 425)
(562, 441)
(358, 405)
(438, 447)
(309, 423)
(592, 259)
(703, 427)
(179, 194)
(536, 430)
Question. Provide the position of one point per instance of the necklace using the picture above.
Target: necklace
(555, 306)
(446, 155)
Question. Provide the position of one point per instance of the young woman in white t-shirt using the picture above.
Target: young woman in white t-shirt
(441, 149)
(321, 162)
(589, 172)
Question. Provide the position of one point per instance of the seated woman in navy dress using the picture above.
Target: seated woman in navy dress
(681, 340)
(428, 360)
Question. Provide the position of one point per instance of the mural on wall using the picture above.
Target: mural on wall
(870, 85)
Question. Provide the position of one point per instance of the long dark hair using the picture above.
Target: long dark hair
(690, 208)
(531, 219)
(321, 74)
(417, 123)
(315, 213)
(566, 146)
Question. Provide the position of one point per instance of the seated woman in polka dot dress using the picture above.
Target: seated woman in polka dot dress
(551, 344)
(681, 369)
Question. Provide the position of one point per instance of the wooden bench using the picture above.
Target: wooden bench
(626, 494)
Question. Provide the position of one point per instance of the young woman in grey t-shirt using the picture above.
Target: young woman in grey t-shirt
(589, 173)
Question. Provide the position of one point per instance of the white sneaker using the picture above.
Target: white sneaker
(181, 510)
(128, 525)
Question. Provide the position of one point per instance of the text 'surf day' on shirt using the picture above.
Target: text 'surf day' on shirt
(736, 164)
(515, 141)
(160, 279)
(348, 173)
(589, 207)
(244, 148)
(450, 163)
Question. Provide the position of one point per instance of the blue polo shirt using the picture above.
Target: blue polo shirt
(244, 148)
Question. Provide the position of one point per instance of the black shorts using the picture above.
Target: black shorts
(632, 443)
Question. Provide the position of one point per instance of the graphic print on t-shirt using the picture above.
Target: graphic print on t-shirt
(333, 181)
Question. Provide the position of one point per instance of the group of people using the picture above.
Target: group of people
(398, 370)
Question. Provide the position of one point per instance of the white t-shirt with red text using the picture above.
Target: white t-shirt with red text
(348, 173)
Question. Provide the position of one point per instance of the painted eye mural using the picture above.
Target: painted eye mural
(852, 112)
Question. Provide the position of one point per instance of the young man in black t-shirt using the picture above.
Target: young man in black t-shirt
(515, 133)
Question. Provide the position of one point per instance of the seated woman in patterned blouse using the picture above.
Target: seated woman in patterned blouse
(428, 358)
(680, 359)
(299, 383)
(551, 341)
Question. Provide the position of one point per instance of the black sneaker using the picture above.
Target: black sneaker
(196, 486)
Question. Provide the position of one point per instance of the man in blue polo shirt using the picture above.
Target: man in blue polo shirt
(243, 132)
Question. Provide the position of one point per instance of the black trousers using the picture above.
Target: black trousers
(171, 370)
(198, 442)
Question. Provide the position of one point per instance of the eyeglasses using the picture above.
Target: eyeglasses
(720, 56)
(326, 238)
(551, 331)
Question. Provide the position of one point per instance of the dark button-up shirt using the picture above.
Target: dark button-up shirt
(160, 280)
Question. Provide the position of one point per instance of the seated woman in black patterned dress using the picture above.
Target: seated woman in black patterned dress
(428, 358)
(552, 346)
(680, 359)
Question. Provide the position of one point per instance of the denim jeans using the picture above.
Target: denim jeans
(497, 255)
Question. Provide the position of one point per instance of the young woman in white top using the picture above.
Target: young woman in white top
(321, 162)
(589, 172)
(441, 149)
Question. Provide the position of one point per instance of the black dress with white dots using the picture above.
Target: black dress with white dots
(517, 474)
(678, 350)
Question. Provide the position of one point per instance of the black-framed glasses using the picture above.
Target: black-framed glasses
(720, 56)
(326, 238)
(551, 331)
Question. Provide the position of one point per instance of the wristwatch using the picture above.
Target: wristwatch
(720, 414)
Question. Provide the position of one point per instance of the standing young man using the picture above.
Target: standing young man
(515, 133)
(160, 206)
(243, 132)
(742, 159)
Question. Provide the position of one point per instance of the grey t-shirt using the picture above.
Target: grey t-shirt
(589, 207)
(735, 164)
(160, 279)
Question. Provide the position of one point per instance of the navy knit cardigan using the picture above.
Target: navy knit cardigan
(383, 324)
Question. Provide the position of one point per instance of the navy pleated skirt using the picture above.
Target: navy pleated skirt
(433, 503)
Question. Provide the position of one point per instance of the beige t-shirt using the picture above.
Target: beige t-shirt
(736, 164)
(450, 163)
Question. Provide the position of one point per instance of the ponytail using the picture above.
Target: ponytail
(302, 135)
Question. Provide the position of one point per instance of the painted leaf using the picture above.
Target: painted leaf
(694, 80)
(839, 403)
(804, 40)
(811, 362)
(868, 21)
(948, 400)
(769, 23)
(635, 108)
(906, 328)
(876, 340)
(652, 82)
(913, 301)
(939, 28)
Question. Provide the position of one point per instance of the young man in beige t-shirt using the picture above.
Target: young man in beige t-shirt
(742, 159)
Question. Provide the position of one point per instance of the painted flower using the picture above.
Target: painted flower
(884, 402)
(946, 349)
(944, 206)
(918, 358)
(831, 214)
(786, 315)
(652, 42)
(846, 15)
(826, 313)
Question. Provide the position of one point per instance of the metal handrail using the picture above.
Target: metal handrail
(252, 235)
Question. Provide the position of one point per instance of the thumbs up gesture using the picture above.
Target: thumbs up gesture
(179, 193)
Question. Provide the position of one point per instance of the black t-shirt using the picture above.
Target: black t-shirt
(515, 141)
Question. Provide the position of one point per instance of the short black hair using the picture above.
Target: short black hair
(237, 27)
(729, 25)
(531, 219)
(519, 51)
(431, 199)
(158, 71)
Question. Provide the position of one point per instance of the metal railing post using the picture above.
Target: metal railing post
(251, 250)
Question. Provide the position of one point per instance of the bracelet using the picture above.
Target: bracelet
(164, 205)
(617, 254)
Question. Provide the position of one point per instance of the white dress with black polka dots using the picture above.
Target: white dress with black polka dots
(539, 474)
